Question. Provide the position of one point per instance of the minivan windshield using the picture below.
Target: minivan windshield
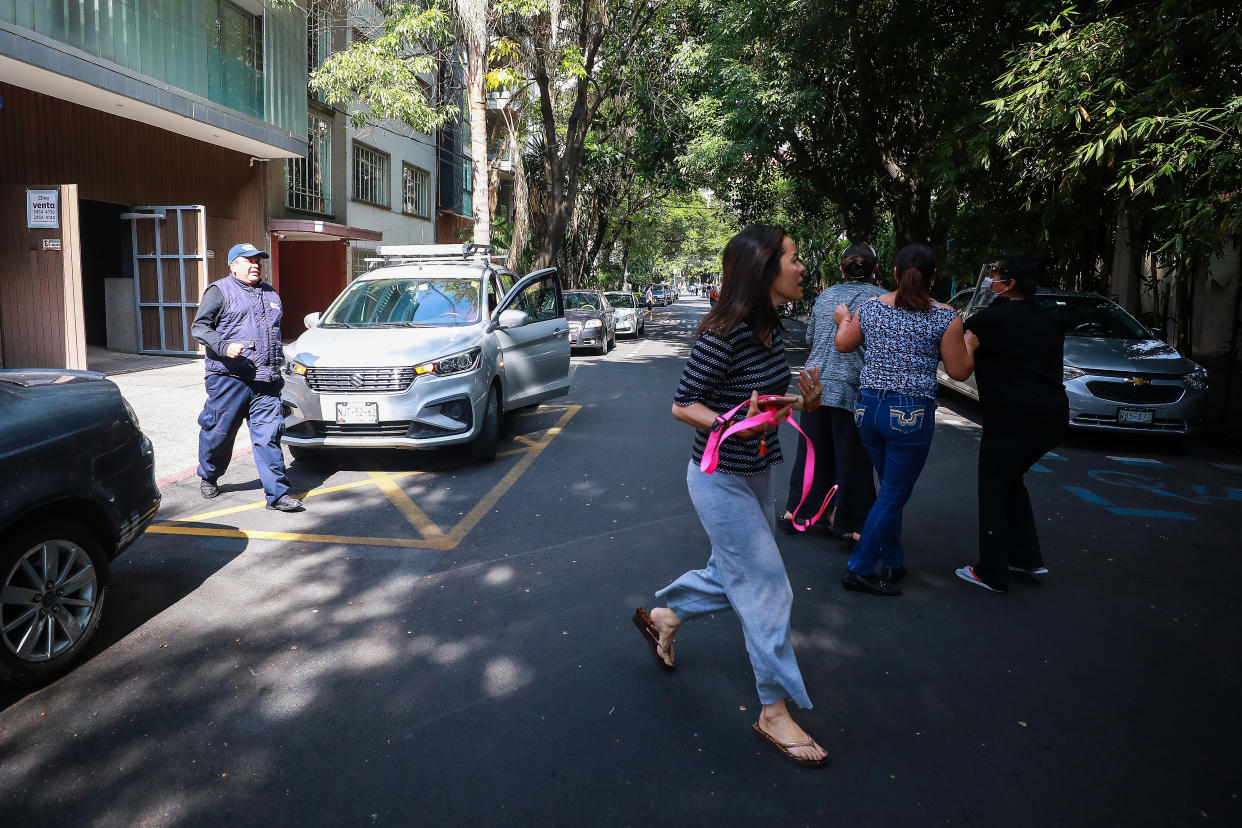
(1093, 316)
(622, 300)
(406, 303)
(582, 301)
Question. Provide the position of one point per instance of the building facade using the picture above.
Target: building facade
(137, 135)
(328, 212)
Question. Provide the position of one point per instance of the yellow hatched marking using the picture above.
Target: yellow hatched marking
(433, 536)
(416, 516)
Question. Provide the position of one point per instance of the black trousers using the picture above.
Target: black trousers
(1007, 450)
(839, 458)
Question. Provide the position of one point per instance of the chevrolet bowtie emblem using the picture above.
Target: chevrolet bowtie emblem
(1138, 381)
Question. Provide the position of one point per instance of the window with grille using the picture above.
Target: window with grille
(318, 39)
(415, 191)
(359, 264)
(308, 181)
(370, 175)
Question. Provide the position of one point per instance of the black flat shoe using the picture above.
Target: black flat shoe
(868, 583)
(892, 575)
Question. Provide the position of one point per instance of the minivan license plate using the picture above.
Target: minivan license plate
(349, 413)
(1135, 416)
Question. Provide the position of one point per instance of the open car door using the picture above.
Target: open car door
(533, 336)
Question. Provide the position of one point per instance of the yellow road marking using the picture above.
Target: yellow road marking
(416, 516)
(433, 536)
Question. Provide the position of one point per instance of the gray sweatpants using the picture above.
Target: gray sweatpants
(745, 573)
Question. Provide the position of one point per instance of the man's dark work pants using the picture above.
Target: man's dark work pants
(229, 401)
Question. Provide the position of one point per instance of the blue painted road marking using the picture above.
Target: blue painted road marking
(1095, 500)
(1137, 461)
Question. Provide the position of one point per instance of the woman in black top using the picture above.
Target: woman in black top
(1018, 349)
(739, 353)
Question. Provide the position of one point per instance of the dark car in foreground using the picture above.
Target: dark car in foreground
(1118, 374)
(77, 486)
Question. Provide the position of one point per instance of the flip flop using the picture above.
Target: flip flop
(643, 621)
(784, 748)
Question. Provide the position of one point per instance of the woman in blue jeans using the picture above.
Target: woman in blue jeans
(905, 334)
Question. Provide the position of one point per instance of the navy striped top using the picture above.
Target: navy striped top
(720, 374)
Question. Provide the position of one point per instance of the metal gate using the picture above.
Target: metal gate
(170, 266)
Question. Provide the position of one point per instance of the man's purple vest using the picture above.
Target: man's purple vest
(250, 315)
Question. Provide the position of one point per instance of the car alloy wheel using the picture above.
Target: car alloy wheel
(51, 598)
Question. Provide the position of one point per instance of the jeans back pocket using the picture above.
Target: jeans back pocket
(906, 419)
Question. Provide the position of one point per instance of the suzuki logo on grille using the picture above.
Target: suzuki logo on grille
(1137, 381)
(356, 380)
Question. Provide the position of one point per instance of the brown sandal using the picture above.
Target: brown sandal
(643, 621)
(784, 748)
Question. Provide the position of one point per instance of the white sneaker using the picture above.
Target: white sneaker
(1039, 570)
(967, 574)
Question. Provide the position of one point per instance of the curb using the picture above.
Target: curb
(177, 477)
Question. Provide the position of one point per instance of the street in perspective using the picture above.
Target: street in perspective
(439, 640)
(620, 413)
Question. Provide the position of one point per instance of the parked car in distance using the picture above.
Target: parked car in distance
(427, 350)
(631, 316)
(1118, 374)
(77, 487)
(592, 320)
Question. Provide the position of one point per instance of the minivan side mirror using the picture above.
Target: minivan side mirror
(512, 319)
(311, 319)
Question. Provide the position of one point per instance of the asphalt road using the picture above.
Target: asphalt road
(437, 642)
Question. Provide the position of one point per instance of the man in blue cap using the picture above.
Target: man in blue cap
(238, 321)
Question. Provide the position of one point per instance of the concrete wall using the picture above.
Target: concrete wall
(122, 315)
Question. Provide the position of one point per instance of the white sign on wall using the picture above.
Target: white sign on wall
(43, 208)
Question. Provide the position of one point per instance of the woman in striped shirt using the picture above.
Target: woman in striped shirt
(740, 354)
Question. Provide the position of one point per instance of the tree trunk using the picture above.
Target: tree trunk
(478, 144)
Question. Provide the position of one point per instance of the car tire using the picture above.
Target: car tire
(483, 448)
(81, 556)
(602, 348)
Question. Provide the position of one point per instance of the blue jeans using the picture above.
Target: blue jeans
(745, 574)
(896, 430)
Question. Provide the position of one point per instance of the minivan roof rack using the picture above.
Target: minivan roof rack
(468, 251)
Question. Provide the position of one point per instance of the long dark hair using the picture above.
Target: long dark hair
(751, 261)
(916, 270)
(858, 262)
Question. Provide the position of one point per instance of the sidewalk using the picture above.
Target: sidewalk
(167, 394)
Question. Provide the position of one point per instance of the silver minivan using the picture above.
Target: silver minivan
(428, 349)
(1118, 374)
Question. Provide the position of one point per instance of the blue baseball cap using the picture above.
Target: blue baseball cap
(248, 250)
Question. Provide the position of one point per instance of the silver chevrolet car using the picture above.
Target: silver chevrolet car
(1118, 374)
(428, 349)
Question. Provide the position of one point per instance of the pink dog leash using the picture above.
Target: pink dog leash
(721, 431)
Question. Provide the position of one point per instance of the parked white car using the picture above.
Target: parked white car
(427, 350)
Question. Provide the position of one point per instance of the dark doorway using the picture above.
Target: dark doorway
(107, 253)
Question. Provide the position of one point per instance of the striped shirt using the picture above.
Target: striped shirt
(720, 374)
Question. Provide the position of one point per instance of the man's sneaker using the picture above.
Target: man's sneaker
(286, 504)
(1021, 570)
(208, 489)
(967, 574)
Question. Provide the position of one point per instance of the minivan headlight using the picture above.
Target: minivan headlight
(454, 364)
(1069, 372)
(291, 367)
